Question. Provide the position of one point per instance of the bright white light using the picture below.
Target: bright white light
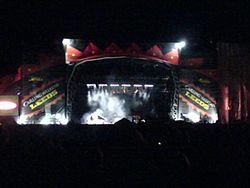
(7, 105)
(61, 119)
(102, 85)
(46, 120)
(112, 104)
(194, 117)
(148, 85)
(95, 118)
(106, 108)
(21, 120)
(214, 117)
(180, 45)
(91, 85)
(159, 143)
(126, 85)
(58, 116)
(114, 85)
(137, 85)
(66, 42)
(64, 120)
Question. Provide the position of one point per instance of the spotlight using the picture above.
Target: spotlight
(114, 85)
(126, 85)
(7, 105)
(148, 85)
(66, 42)
(102, 85)
(21, 120)
(180, 45)
(91, 85)
(137, 85)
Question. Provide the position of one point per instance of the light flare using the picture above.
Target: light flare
(7, 105)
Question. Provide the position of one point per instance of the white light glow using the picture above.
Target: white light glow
(194, 117)
(122, 85)
(114, 85)
(58, 116)
(214, 117)
(148, 85)
(46, 120)
(102, 85)
(95, 118)
(66, 42)
(21, 120)
(137, 85)
(126, 85)
(91, 85)
(7, 105)
(105, 108)
(64, 120)
(180, 45)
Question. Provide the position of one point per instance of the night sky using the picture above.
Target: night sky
(163, 21)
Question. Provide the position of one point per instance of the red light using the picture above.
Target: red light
(7, 105)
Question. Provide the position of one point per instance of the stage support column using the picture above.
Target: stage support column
(245, 102)
(224, 104)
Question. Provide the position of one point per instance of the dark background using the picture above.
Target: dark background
(27, 27)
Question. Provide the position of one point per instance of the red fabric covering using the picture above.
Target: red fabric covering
(133, 50)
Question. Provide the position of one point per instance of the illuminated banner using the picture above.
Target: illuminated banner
(198, 92)
(49, 95)
(8, 105)
(198, 100)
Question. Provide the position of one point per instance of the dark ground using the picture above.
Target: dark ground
(122, 155)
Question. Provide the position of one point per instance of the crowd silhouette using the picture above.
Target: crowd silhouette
(155, 154)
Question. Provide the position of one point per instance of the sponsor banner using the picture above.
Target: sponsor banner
(198, 100)
(41, 91)
(50, 95)
(197, 96)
